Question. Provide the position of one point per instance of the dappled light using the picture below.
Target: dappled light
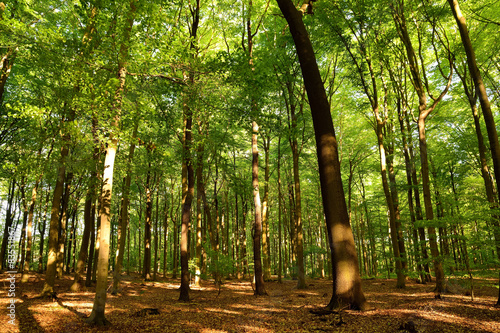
(236, 309)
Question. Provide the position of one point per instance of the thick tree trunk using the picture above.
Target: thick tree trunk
(346, 280)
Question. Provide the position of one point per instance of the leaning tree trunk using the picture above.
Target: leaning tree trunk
(483, 99)
(346, 279)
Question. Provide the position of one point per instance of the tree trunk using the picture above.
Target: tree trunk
(63, 221)
(485, 106)
(8, 223)
(265, 215)
(346, 280)
(298, 233)
(41, 228)
(82, 256)
(424, 111)
(97, 316)
(50, 274)
(146, 269)
(124, 218)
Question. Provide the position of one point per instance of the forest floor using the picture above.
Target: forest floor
(236, 309)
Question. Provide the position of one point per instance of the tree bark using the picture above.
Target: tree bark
(483, 100)
(50, 274)
(8, 223)
(346, 279)
(82, 256)
(146, 269)
(257, 229)
(124, 218)
(97, 316)
(424, 111)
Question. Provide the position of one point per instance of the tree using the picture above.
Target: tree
(484, 102)
(97, 316)
(421, 89)
(346, 280)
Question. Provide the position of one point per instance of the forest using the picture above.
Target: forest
(249, 166)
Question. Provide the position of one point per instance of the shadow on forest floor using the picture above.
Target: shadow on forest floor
(235, 309)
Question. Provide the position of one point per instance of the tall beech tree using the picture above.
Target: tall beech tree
(124, 214)
(346, 280)
(97, 316)
(187, 144)
(421, 86)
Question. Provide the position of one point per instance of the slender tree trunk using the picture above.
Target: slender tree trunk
(165, 234)
(41, 228)
(280, 256)
(146, 269)
(124, 218)
(63, 224)
(50, 274)
(29, 231)
(82, 256)
(199, 189)
(299, 237)
(257, 229)
(266, 249)
(346, 279)
(8, 224)
(157, 235)
(22, 241)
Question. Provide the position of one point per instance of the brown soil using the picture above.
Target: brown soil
(235, 309)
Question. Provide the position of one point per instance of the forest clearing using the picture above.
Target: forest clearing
(285, 309)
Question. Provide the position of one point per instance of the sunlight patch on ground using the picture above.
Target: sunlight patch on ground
(223, 311)
(258, 308)
(209, 330)
(434, 314)
(246, 328)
